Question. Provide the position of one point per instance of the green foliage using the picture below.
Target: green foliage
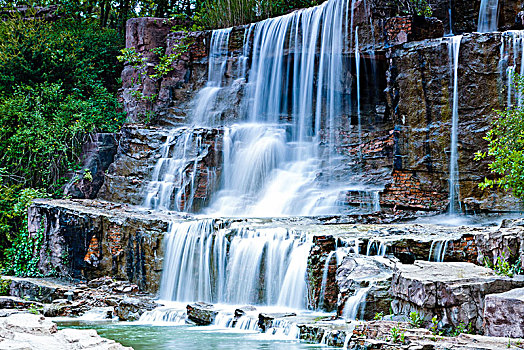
(58, 83)
(4, 286)
(87, 175)
(378, 316)
(227, 13)
(42, 130)
(66, 52)
(141, 65)
(434, 326)
(461, 328)
(506, 148)
(415, 319)
(397, 336)
(414, 7)
(35, 309)
(503, 266)
(20, 258)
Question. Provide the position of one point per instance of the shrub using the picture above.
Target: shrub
(506, 148)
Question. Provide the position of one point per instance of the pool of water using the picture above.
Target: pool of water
(142, 337)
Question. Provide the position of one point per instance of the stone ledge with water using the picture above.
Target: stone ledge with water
(271, 192)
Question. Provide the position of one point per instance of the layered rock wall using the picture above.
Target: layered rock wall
(79, 240)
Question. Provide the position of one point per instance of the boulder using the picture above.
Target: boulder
(27, 331)
(130, 309)
(452, 291)
(202, 314)
(97, 154)
(9, 302)
(266, 320)
(359, 272)
(504, 314)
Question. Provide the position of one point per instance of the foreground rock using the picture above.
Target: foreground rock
(201, 314)
(454, 292)
(28, 331)
(504, 314)
(130, 309)
(369, 277)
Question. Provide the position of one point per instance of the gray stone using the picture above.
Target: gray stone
(130, 309)
(360, 271)
(454, 292)
(202, 314)
(266, 320)
(32, 332)
(504, 314)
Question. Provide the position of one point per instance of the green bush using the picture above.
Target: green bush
(58, 83)
(228, 13)
(42, 130)
(506, 148)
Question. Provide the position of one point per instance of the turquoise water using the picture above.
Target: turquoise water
(142, 337)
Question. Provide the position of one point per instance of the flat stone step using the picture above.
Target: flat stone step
(504, 314)
(454, 291)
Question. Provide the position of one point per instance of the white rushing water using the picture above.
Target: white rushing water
(356, 303)
(272, 164)
(206, 112)
(437, 251)
(488, 16)
(511, 61)
(280, 159)
(454, 190)
(237, 265)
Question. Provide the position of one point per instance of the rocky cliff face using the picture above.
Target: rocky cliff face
(87, 240)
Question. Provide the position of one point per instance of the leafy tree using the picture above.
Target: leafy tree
(506, 148)
(58, 83)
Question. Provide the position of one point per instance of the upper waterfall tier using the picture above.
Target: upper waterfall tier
(318, 112)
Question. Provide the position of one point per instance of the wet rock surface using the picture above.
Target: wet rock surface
(201, 314)
(130, 309)
(357, 272)
(140, 148)
(28, 331)
(88, 240)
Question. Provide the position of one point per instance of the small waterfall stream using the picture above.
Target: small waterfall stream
(488, 16)
(454, 190)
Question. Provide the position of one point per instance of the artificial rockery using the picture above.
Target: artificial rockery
(270, 164)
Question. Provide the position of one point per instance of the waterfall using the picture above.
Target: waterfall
(205, 112)
(512, 55)
(454, 193)
(172, 185)
(488, 16)
(294, 90)
(235, 265)
(325, 272)
(357, 66)
(356, 303)
(437, 251)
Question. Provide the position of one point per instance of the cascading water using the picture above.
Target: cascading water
(356, 303)
(205, 112)
(512, 57)
(454, 190)
(237, 265)
(278, 161)
(488, 16)
(172, 186)
(437, 251)
(294, 91)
